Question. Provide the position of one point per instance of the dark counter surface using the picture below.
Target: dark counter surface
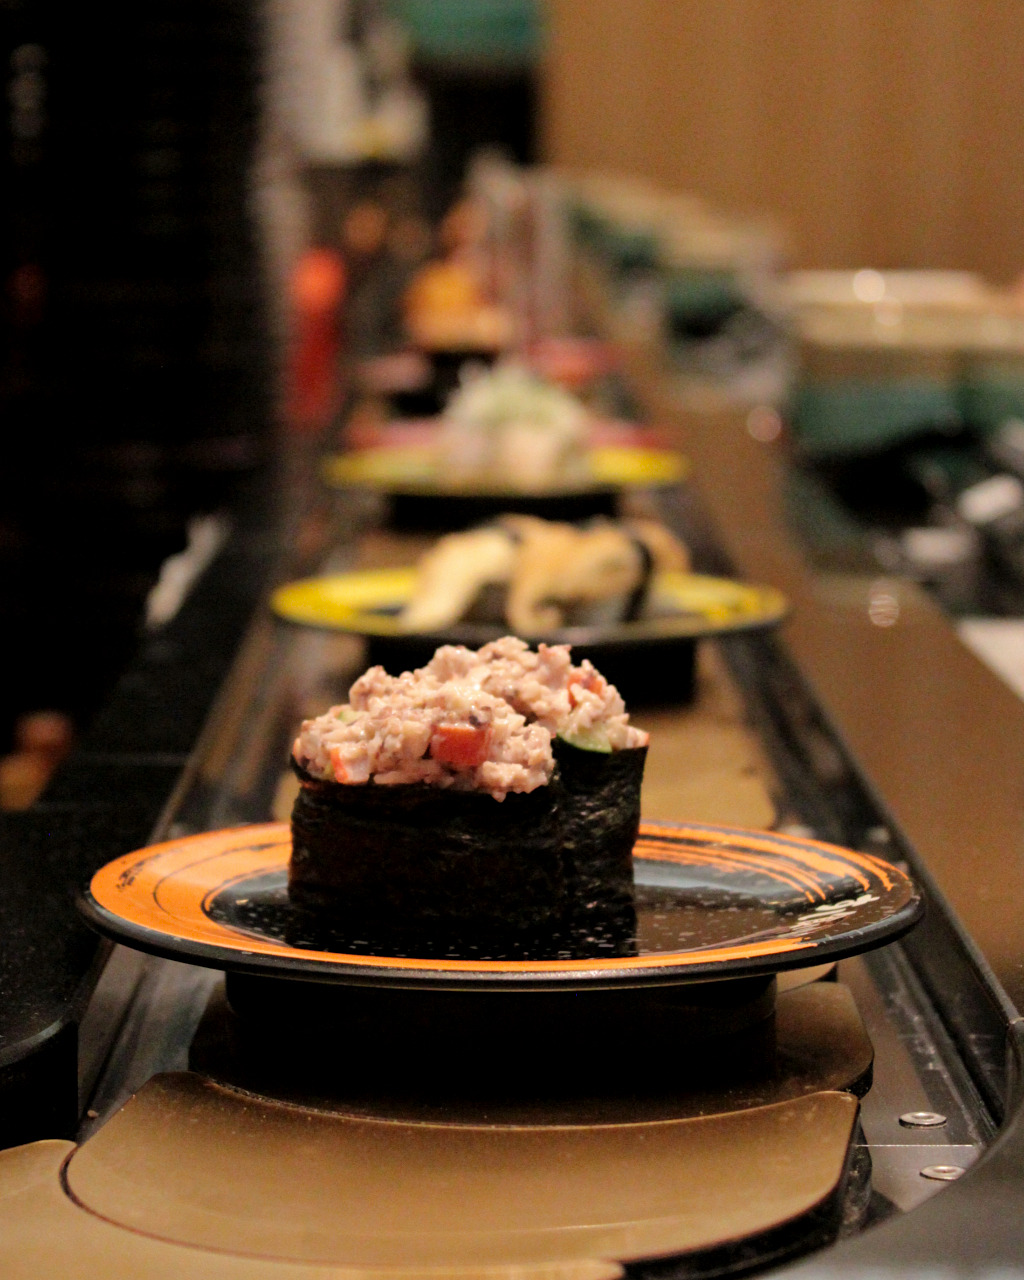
(106, 800)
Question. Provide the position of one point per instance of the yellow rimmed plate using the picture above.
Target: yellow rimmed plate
(414, 469)
(683, 606)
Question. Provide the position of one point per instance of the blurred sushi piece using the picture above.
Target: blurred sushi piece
(538, 576)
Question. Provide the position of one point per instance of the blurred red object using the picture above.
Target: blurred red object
(42, 739)
(573, 362)
(45, 733)
(317, 295)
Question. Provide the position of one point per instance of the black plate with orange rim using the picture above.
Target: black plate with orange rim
(711, 903)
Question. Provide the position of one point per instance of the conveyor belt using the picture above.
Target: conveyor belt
(757, 745)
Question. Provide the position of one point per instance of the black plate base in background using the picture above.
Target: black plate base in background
(443, 513)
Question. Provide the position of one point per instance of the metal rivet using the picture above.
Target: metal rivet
(922, 1119)
(943, 1172)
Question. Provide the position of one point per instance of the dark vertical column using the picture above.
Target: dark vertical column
(137, 379)
(146, 380)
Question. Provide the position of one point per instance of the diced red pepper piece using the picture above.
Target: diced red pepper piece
(593, 681)
(339, 766)
(463, 745)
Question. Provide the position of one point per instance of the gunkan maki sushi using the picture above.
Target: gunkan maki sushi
(489, 793)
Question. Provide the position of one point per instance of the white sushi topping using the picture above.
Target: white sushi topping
(509, 427)
(470, 719)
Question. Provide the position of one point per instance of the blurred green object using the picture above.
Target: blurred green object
(623, 248)
(847, 418)
(587, 225)
(476, 32)
(852, 399)
(699, 300)
(992, 392)
(632, 249)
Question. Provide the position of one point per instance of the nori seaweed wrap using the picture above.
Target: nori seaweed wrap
(600, 813)
(385, 856)
(441, 805)
(408, 862)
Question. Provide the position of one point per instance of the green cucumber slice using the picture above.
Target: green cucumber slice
(588, 740)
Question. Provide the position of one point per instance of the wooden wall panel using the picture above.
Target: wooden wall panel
(888, 132)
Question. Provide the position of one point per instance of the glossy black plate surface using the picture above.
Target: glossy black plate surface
(710, 902)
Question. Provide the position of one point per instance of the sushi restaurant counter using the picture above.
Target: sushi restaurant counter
(186, 744)
(214, 723)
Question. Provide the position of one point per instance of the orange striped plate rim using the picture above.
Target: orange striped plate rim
(166, 889)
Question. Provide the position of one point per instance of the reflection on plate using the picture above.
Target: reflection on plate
(682, 605)
(711, 902)
(411, 469)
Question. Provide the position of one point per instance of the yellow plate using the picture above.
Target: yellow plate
(414, 469)
(686, 604)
